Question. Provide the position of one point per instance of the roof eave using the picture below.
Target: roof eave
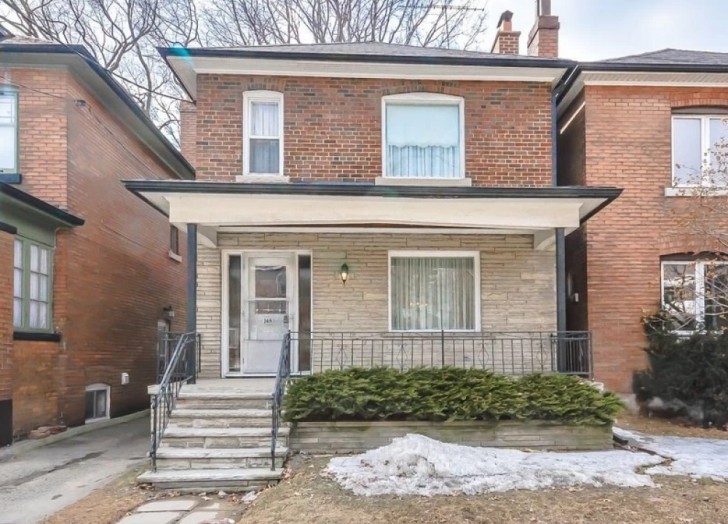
(64, 217)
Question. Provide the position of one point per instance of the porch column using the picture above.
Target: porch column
(560, 279)
(192, 283)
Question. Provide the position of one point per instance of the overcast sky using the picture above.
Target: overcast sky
(596, 29)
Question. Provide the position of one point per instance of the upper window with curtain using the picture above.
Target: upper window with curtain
(263, 133)
(8, 132)
(423, 136)
(699, 150)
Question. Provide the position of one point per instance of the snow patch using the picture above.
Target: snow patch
(417, 465)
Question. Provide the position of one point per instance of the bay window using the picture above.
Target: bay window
(423, 136)
(699, 150)
(263, 133)
(32, 287)
(434, 291)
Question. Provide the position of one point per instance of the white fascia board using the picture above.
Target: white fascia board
(188, 67)
(291, 210)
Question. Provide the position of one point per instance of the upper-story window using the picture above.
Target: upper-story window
(8, 131)
(423, 136)
(699, 149)
(263, 133)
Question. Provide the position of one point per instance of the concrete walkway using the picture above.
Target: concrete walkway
(185, 510)
(42, 481)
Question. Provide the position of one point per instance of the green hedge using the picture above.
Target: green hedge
(435, 394)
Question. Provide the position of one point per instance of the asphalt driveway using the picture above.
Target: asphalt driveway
(39, 482)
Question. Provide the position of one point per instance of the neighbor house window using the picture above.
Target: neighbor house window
(434, 291)
(263, 133)
(423, 136)
(8, 132)
(695, 294)
(699, 150)
(97, 402)
(32, 286)
(174, 241)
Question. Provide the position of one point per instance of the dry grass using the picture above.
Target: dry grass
(662, 426)
(308, 497)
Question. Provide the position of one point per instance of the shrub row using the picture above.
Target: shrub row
(439, 394)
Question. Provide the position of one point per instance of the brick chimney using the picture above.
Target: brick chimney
(506, 40)
(543, 40)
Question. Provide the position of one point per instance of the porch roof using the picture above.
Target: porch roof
(225, 206)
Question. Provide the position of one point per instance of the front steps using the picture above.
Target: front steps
(219, 438)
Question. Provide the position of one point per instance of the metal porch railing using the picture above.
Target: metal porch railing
(166, 344)
(181, 367)
(507, 353)
(282, 375)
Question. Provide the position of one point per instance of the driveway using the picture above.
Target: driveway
(39, 482)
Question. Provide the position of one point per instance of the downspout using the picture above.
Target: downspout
(192, 283)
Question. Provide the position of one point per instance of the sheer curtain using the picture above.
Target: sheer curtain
(430, 293)
(423, 141)
(264, 139)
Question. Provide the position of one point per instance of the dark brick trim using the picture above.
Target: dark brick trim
(36, 337)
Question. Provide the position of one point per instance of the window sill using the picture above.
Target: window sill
(687, 191)
(94, 420)
(36, 337)
(262, 179)
(11, 178)
(432, 182)
(174, 256)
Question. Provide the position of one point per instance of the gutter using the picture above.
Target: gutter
(41, 205)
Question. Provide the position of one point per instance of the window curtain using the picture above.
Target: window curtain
(264, 139)
(433, 293)
(8, 130)
(423, 141)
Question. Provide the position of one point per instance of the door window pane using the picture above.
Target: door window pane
(270, 282)
(423, 140)
(687, 151)
(430, 293)
(304, 312)
(234, 305)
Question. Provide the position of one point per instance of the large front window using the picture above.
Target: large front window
(695, 294)
(8, 132)
(32, 286)
(263, 130)
(423, 136)
(432, 292)
(699, 150)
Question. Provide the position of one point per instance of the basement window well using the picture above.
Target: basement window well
(97, 402)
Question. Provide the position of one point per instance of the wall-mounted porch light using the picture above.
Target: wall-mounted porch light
(344, 273)
(168, 312)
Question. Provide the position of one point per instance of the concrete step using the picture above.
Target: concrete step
(220, 418)
(210, 458)
(212, 479)
(187, 437)
(196, 399)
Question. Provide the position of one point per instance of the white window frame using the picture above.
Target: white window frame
(432, 99)
(699, 287)
(99, 387)
(475, 255)
(267, 97)
(705, 146)
(4, 91)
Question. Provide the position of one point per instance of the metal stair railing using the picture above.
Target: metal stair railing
(282, 375)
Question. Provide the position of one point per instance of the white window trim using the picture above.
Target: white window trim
(5, 91)
(704, 148)
(25, 326)
(100, 387)
(699, 288)
(261, 96)
(424, 99)
(475, 255)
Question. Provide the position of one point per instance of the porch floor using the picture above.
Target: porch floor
(231, 385)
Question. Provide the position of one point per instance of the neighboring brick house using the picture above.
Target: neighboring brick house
(637, 122)
(86, 270)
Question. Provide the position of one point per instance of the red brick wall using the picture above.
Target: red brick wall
(112, 276)
(188, 131)
(6, 314)
(628, 144)
(333, 127)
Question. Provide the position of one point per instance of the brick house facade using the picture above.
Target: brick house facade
(111, 273)
(615, 128)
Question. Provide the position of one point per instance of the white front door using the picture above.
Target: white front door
(267, 311)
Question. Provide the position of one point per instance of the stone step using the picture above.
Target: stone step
(223, 401)
(181, 437)
(209, 458)
(220, 418)
(212, 479)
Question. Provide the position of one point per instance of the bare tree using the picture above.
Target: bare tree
(445, 23)
(121, 35)
(695, 289)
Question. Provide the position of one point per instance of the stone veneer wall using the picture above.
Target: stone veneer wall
(517, 283)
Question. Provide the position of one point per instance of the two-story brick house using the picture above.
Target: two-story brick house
(86, 272)
(645, 123)
(387, 205)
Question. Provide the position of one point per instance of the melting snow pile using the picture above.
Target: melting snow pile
(417, 465)
(695, 457)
